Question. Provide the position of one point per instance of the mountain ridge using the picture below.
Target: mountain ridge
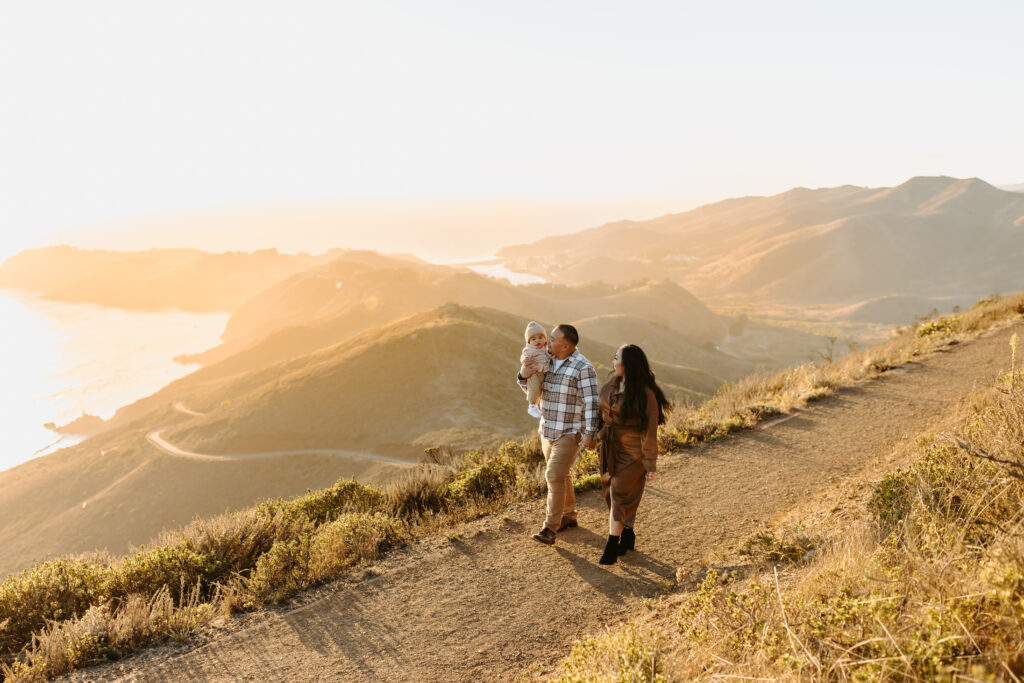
(931, 236)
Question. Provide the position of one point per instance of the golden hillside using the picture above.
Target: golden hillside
(380, 391)
(116, 490)
(931, 237)
(350, 294)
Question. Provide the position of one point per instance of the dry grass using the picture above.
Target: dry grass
(748, 401)
(929, 587)
(65, 613)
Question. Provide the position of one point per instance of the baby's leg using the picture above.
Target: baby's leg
(533, 384)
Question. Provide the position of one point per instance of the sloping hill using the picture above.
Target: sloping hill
(380, 391)
(188, 279)
(116, 490)
(929, 237)
(327, 304)
(492, 603)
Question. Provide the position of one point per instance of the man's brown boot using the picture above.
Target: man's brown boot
(545, 535)
(567, 524)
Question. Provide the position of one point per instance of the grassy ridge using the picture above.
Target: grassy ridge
(65, 613)
(744, 403)
(929, 587)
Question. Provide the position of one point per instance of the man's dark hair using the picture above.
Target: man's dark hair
(570, 333)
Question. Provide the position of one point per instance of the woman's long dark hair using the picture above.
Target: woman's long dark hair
(639, 377)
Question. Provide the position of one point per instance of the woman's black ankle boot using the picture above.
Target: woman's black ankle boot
(611, 551)
(627, 540)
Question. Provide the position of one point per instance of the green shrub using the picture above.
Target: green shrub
(50, 591)
(627, 655)
(670, 439)
(987, 301)
(589, 481)
(526, 452)
(327, 504)
(890, 502)
(351, 539)
(418, 493)
(940, 327)
(289, 567)
(489, 479)
(587, 463)
(767, 547)
(280, 572)
(147, 571)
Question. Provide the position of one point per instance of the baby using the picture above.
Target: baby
(536, 349)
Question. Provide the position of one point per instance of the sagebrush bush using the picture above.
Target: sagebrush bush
(787, 545)
(326, 504)
(51, 591)
(418, 493)
(486, 480)
(148, 571)
(104, 632)
(289, 567)
(635, 659)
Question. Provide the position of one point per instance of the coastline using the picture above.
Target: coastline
(84, 359)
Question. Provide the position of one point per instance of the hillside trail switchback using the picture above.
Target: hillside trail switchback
(491, 603)
(170, 449)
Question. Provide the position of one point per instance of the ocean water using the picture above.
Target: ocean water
(60, 360)
(499, 270)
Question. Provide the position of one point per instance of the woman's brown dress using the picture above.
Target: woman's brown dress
(628, 449)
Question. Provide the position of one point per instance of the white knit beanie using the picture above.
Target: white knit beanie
(534, 328)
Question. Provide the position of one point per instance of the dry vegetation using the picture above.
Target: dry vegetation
(65, 613)
(62, 614)
(744, 403)
(929, 586)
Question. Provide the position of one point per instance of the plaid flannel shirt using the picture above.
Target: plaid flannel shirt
(569, 399)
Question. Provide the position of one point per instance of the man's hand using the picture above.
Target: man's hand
(588, 442)
(530, 368)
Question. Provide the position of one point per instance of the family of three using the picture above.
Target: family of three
(621, 419)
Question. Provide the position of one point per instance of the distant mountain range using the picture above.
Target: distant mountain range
(931, 237)
(152, 280)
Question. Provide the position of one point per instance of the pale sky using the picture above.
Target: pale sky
(124, 113)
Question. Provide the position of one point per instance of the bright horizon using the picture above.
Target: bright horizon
(465, 126)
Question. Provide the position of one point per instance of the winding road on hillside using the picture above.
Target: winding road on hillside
(492, 602)
(154, 438)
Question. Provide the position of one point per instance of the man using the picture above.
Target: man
(569, 415)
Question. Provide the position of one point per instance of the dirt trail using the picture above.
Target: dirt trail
(170, 449)
(154, 438)
(489, 605)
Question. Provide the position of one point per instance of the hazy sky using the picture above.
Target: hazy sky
(110, 111)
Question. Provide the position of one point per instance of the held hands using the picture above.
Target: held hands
(588, 442)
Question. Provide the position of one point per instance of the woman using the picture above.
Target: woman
(632, 407)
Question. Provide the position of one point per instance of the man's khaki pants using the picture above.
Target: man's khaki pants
(560, 456)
